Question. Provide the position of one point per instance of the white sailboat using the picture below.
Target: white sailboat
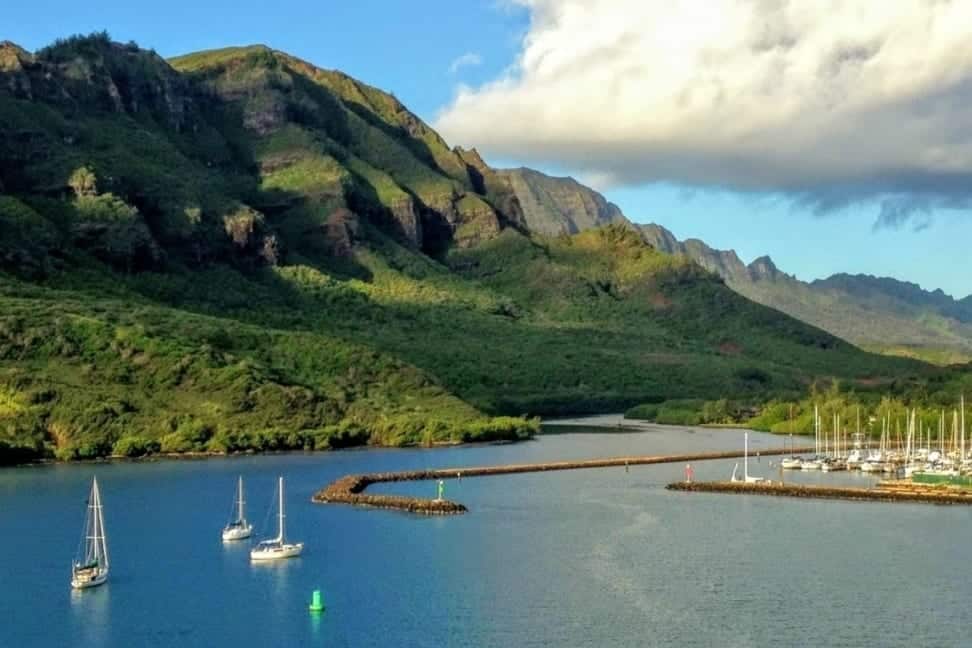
(238, 528)
(277, 548)
(90, 569)
(749, 479)
(814, 463)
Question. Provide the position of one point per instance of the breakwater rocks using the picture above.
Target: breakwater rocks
(350, 489)
(893, 491)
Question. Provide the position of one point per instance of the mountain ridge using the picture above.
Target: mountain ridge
(554, 210)
(242, 251)
(909, 320)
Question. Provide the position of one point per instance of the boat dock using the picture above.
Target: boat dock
(350, 489)
(886, 491)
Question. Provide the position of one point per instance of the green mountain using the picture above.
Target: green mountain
(236, 250)
(880, 314)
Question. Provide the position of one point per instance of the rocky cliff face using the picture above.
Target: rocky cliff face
(94, 74)
(725, 263)
(182, 147)
(553, 206)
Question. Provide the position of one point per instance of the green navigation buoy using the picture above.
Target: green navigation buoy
(316, 604)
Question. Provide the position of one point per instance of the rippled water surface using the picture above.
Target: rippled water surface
(580, 558)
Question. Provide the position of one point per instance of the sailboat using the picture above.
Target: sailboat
(90, 569)
(238, 529)
(749, 479)
(791, 461)
(814, 463)
(277, 548)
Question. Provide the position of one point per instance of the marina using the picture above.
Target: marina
(905, 451)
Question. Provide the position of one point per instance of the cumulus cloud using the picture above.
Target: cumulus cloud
(828, 102)
(469, 59)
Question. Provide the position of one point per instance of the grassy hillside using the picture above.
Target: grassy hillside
(241, 251)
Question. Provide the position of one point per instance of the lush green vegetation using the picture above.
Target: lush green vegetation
(793, 414)
(254, 254)
(99, 369)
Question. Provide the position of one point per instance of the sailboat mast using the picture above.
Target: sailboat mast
(93, 552)
(281, 487)
(941, 434)
(240, 501)
(816, 431)
(746, 456)
(100, 543)
(962, 403)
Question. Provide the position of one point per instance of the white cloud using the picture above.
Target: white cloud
(830, 101)
(468, 59)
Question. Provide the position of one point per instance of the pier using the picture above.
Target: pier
(889, 491)
(351, 488)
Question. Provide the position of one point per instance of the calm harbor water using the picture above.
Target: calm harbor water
(580, 558)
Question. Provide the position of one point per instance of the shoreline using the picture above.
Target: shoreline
(202, 455)
(611, 423)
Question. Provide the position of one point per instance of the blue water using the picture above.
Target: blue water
(579, 558)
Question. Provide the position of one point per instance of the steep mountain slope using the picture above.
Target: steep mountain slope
(881, 314)
(242, 251)
(553, 206)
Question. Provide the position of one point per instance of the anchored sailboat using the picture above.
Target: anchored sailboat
(90, 568)
(277, 548)
(239, 528)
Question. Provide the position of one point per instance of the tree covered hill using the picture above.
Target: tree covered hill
(237, 250)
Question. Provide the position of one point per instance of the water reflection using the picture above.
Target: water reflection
(277, 577)
(90, 614)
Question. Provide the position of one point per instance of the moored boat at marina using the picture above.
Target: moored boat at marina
(813, 463)
(832, 465)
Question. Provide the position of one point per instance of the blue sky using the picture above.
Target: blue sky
(409, 48)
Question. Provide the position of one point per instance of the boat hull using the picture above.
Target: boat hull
(281, 553)
(237, 533)
(86, 581)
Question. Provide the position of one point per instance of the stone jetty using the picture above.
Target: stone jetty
(351, 488)
(889, 491)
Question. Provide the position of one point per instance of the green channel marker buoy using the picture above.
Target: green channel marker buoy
(316, 605)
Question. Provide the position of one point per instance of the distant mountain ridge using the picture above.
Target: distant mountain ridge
(725, 263)
(877, 313)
